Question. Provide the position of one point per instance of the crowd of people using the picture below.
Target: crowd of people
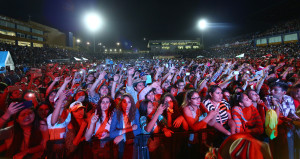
(132, 108)
(23, 55)
(291, 50)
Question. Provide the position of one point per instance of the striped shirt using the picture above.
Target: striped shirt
(224, 108)
(247, 118)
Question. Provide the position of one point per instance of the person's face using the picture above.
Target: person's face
(180, 85)
(52, 96)
(46, 80)
(158, 90)
(195, 100)
(253, 96)
(126, 104)
(43, 111)
(90, 77)
(103, 90)
(246, 101)
(79, 113)
(150, 96)
(80, 96)
(173, 90)
(217, 95)
(16, 94)
(211, 69)
(26, 117)
(105, 104)
(277, 92)
(37, 82)
(227, 95)
(238, 90)
(149, 108)
(140, 86)
(168, 99)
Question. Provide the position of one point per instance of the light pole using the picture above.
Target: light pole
(93, 22)
(202, 25)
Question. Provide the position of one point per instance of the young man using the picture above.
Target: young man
(133, 87)
(284, 106)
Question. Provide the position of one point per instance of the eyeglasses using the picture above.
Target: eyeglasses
(195, 98)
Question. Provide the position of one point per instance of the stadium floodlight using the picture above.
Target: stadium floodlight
(202, 24)
(118, 44)
(88, 43)
(93, 21)
(78, 40)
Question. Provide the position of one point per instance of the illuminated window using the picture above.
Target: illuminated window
(23, 43)
(37, 38)
(188, 47)
(24, 28)
(180, 47)
(7, 24)
(195, 47)
(6, 32)
(165, 47)
(37, 45)
(12, 42)
(37, 31)
(21, 35)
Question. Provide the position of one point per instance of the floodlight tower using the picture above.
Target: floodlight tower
(202, 25)
(93, 22)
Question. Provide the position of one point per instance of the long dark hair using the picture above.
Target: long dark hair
(143, 107)
(132, 111)
(110, 109)
(18, 135)
(238, 98)
(211, 90)
(188, 97)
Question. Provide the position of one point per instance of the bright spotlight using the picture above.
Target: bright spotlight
(88, 43)
(78, 40)
(93, 21)
(202, 24)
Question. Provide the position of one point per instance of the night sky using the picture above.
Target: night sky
(133, 20)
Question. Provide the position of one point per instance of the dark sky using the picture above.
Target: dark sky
(132, 20)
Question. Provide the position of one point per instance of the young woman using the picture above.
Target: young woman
(246, 116)
(172, 113)
(195, 113)
(43, 110)
(27, 137)
(154, 124)
(50, 97)
(57, 125)
(76, 130)
(125, 126)
(94, 95)
(100, 128)
(214, 101)
(257, 103)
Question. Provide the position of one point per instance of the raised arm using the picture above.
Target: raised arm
(96, 83)
(90, 130)
(64, 86)
(59, 106)
(113, 88)
(50, 88)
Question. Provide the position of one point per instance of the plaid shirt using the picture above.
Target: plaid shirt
(287, 107)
